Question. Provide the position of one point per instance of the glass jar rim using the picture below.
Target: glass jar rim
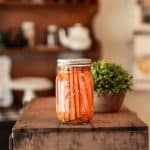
(74, 62)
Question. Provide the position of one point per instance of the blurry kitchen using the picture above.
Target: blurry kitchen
(35, 33)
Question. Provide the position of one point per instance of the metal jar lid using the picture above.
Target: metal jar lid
(74, 62)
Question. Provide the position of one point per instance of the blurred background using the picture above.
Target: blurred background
(124, 31)
(35, 33)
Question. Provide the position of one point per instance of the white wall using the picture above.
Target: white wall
(113, 26)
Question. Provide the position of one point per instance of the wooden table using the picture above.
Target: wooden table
(39, 129)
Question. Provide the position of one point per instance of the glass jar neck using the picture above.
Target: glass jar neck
(71, 68)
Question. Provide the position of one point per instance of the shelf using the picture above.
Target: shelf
(72, 5)
(41, 50)
(47, 50)
(31, 50)
(90, 7)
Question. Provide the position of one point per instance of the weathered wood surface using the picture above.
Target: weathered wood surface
(39, 129)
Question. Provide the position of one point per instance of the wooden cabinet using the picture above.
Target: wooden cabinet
(42, 61)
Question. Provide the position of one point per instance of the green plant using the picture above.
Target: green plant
(110, 77)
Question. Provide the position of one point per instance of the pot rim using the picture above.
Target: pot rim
(112, 94)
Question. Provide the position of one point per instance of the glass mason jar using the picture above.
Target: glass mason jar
(74, 90)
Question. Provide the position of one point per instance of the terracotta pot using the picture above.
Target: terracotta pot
(106, 103)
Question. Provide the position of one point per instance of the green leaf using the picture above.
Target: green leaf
(110, 77)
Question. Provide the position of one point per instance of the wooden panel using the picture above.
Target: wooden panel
(99, 140)
(38, 128)
(27, 63)
(47, 118)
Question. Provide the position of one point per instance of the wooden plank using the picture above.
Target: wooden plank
(40, 114)
(82, 141)
(38, 128)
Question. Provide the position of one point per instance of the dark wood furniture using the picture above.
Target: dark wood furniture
(38, 128)
(5, 131)
(8, 118)
(38, 61)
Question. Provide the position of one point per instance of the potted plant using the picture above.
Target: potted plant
(111, 82)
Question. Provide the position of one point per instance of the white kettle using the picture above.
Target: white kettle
(78, 38)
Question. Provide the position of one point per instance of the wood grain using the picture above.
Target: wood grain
(38, 128)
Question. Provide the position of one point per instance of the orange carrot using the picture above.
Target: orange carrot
(58, 78)
(72, 103)
(76, 89)
(89, 91)
(66, 100)
(63, 96)
(92, 86)
(84, 106)
(59, 101)
(74, 94)
(56, 91)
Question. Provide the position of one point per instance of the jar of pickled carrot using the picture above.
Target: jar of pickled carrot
(74, 90)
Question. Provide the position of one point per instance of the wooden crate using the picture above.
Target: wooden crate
(39, 129)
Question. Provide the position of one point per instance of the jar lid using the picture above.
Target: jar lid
(74, 62)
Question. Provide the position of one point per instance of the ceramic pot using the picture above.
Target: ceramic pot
(105, 103)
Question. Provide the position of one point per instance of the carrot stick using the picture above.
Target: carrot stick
(84, 106)
(66, 100)
(76, 89)
(72, 103)
(56, 92)
(89, 90)
(64, 96)
(92, 86)
(59, 97)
